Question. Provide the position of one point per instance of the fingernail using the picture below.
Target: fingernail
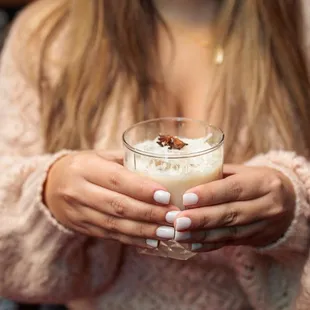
(183, 223)
(196, 246)
(190, 199)
(152, 243)
(162, 197)
(165, 232)
(181, 236)
(171, 216)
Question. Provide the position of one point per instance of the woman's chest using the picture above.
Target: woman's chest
(186, 72)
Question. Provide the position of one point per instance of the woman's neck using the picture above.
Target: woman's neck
(189, 13)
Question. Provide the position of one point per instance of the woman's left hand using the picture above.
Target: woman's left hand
(251, 206)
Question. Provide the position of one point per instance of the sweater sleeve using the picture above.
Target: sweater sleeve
(40, 260)
(297, 169)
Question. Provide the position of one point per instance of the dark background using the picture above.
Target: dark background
(7, 14)
(8, 10)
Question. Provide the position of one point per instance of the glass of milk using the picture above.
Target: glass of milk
(177, 168)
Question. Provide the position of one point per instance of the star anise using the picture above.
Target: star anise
(171, 141)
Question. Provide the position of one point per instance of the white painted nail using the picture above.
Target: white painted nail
(183, 223)
(162, 197)
(165, 232)
(196, 246)
(152, 243)
(182, 236)
(171, 216)
(190, 199)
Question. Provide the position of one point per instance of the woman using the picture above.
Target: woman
(75, 77)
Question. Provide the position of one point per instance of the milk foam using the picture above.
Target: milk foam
(166, 165)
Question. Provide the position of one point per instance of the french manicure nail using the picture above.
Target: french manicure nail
(152, 243)
(196, 246)
(190, 199)
(183, 223)
(165, 232)
(171, 216)
(182, 236)
(162, 197)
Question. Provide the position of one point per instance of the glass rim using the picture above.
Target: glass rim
(173, 156)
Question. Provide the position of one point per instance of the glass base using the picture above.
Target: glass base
(170, 249)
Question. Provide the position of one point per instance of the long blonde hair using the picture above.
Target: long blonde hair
(263, 77)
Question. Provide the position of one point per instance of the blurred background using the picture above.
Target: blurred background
(8, 11)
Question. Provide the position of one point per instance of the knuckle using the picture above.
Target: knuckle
(211, 196)
(118, 205)
(235, 189)
(230, 217)
(110, 223)
(69, 196)
(203, 221)
(115, 177)
(142, 230)
(149, 214)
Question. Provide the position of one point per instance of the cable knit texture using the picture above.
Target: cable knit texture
(41, 261)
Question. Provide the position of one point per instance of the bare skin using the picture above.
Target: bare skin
(187, 61)
(250, 206)
(96, 196)
(92, 193)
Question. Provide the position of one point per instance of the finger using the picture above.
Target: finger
(237, 187)
(230, 169)
(119, 179)
(112, 203)
(225, 234)
(98, 232)
(116, 156)
(200, 247)
(126, 226)
(230, 214)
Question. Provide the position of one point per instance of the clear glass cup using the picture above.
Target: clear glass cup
(178, 170)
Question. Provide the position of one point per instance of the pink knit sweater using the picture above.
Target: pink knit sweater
(41, 261)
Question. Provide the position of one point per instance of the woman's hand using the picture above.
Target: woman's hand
(92, 193)
(250, 206)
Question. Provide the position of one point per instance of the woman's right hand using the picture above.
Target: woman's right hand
(92, 193)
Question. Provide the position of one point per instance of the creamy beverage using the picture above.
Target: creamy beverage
(189, 153)
(178, 174)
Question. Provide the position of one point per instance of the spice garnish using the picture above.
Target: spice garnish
(171, 141)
